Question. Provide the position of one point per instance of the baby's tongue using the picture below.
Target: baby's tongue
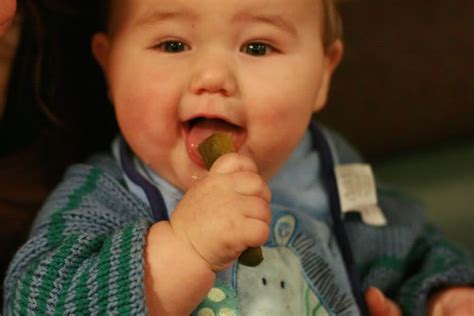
(204, 128)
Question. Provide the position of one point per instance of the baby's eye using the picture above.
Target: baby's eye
(172, 47)
(257, 49)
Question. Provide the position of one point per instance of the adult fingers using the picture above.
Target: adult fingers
(7, 10)
(379, 305)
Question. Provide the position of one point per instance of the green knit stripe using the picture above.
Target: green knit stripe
(56, 228)
(124, 268)
(80, 299)
(52, 273)
(385, 262)
(26, 288)
(103, 275)
(84, 250)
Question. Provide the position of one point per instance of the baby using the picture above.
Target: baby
(150, 230)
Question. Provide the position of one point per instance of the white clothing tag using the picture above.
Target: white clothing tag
(357, 192)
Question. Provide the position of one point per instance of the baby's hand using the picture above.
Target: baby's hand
(456, 301)
(225, 213)
(379, 305)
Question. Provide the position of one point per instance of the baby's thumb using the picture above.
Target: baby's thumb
(233, 162)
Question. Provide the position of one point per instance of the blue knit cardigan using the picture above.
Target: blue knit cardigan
(85, 253)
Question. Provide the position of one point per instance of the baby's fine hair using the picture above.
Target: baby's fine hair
(332, 29)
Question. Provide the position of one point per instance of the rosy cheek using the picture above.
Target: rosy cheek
(146, 111)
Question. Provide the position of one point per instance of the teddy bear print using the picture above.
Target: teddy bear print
(277, 286)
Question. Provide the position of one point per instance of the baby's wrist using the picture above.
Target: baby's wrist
(175, 245)
(171, 264)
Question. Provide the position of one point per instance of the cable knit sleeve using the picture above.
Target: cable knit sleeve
(85, 252)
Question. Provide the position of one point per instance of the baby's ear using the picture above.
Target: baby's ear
(333, 56)
(100, 50)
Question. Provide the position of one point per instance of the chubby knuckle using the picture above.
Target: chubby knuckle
(243, 163)
(226, 226)
(232, 158)
(262, 206)
(253, 179)
(257, 180)
(226, 163)
(250, 163)
(262, 234)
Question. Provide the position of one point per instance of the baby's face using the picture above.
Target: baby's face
(179, 70)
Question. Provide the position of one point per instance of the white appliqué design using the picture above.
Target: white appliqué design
(277, 286)
(293, 279)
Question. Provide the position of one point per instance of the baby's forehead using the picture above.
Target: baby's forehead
(129, 9)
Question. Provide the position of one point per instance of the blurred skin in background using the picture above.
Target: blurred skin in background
(7, 12)
(7, 45)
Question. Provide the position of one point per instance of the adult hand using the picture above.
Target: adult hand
(455, 301)
(7, 12)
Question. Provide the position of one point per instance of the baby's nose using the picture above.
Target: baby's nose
(214, 74)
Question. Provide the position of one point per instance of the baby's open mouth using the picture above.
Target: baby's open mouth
(200, 128)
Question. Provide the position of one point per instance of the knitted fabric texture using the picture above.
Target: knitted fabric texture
(85, 252)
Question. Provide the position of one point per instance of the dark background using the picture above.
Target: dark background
(407, 77)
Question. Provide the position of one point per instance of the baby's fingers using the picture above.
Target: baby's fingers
(250, 183)
(256, 233)
(256, 208)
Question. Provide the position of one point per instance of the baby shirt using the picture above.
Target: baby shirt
(302, 272)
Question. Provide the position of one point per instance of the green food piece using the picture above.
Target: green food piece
(210, 149)
(215, 146)
(251, 257)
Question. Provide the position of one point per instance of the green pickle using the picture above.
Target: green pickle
(210, 149)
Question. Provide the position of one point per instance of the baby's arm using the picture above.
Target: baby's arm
(84, 255)
(218, 218)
